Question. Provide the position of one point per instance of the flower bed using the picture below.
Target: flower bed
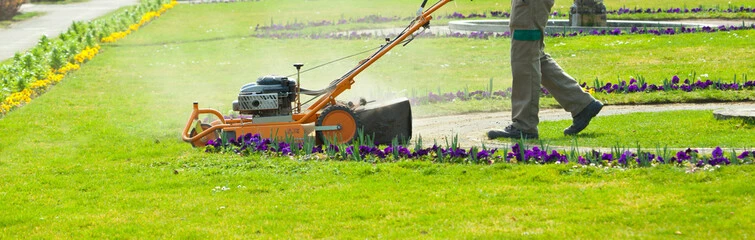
(488, 35)
(634, 86)
(452, 153)
(674, 84)
(700, 9)
(491, 14)
(32, 73)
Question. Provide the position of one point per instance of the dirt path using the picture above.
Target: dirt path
(471, 128)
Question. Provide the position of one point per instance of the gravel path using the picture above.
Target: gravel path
(57, 18)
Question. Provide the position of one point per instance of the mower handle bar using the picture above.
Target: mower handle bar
(342, 84)
(195, 116)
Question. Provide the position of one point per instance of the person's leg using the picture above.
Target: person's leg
(525, 96)
(569, 95)
(563, 87)
(528, 19)
(526, 42)
(525, 67)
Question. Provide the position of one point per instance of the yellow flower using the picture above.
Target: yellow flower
(40, 85)
(5, 108)
(146, 18)
(68, 67)
(87, 54)
(589, 90)
(17, 99)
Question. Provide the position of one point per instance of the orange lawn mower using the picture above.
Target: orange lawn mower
(272, 106)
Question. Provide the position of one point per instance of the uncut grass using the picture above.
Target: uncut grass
(652, 130)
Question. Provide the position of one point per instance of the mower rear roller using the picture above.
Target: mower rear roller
(344, 119)
(202, 141)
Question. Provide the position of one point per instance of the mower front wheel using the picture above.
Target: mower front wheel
(346, 121)
(201, 142)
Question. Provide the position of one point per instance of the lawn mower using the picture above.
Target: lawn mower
(272, 108)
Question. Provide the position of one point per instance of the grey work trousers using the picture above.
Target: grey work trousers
(531, 67)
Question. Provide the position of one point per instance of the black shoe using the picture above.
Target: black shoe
(583, 118)
(511, 132)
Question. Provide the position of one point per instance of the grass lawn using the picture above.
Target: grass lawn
(99, 155)
(201, 196)
(675, 129)
(20, 17)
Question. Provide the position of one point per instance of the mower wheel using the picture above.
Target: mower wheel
(344, 118)
(203, 141)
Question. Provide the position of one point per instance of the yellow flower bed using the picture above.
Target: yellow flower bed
(16, 99)
(149, 16)
(68, 68)
(34, 89)
(54, 76)
(87, 54)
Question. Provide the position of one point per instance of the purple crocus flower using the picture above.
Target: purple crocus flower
(516, 151)
(581, 160)
(624, 157)
(261, 148)
(364, 150)
(388, 149)
(317, 149)
(234, 142)
(215, 143)
(718, 157)
(512, 155)
(700, 163)
(682, 156)
(334, 148)
(718, 152)
(350, 150)
(286, 151)
(421, 152)
(403, 151)
(485, 154)
(607, 156)
(648, 156)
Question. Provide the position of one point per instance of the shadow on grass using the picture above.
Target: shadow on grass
(589, 135)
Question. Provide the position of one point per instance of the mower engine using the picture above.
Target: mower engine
(270, 96)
